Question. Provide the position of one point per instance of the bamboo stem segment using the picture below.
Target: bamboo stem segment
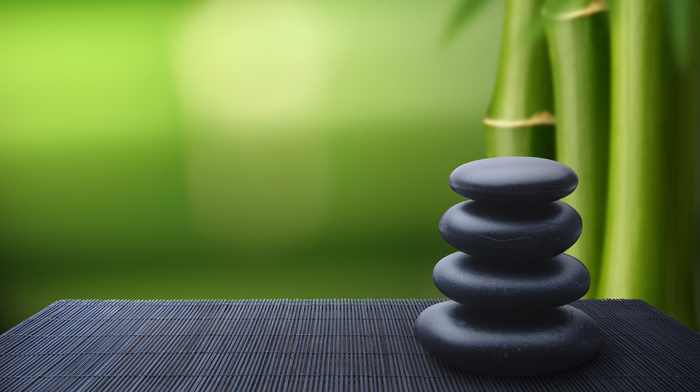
(578, 39)
(523, 89)
(680, 299)
(641, 210)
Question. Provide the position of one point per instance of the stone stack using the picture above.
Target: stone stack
(510, 282)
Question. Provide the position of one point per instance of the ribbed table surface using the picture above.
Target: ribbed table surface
(311, 345)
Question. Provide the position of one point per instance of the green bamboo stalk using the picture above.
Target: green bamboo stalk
(643, 141)
(578, 39)
(519, 119)
(680, 300)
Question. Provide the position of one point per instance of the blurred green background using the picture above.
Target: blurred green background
(232, 148)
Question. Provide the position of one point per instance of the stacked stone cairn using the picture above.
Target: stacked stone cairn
(510, 282)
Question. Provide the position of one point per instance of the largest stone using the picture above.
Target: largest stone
(514, 344)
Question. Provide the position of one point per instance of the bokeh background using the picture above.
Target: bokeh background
(232, 148)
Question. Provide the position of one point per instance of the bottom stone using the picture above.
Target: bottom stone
(512, 344)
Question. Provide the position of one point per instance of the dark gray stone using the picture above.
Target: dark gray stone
(517, 285)
(503, 232)
(514, 180)
(511, 344)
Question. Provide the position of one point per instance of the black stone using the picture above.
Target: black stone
(485, 283)
(507, 344)
(503, 232)
(514, 180)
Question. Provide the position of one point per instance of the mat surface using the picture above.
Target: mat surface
(311, 345)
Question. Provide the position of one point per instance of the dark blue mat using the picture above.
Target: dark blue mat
(311, 345)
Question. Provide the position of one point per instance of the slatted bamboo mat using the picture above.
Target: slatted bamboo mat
(310, 345)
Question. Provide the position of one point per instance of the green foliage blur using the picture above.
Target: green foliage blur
(231, 148)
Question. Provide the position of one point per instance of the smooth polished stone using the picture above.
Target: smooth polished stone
(480, 341)
(485, 283)
(505, 232)
(514, 180)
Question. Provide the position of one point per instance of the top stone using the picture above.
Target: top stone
(514, 180)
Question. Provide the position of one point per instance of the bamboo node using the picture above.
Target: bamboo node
(538, 119)
(593, 8)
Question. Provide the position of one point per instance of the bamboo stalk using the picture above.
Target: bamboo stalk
(519, 120)
(640, 199)
(680, 299)
(578, 40)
